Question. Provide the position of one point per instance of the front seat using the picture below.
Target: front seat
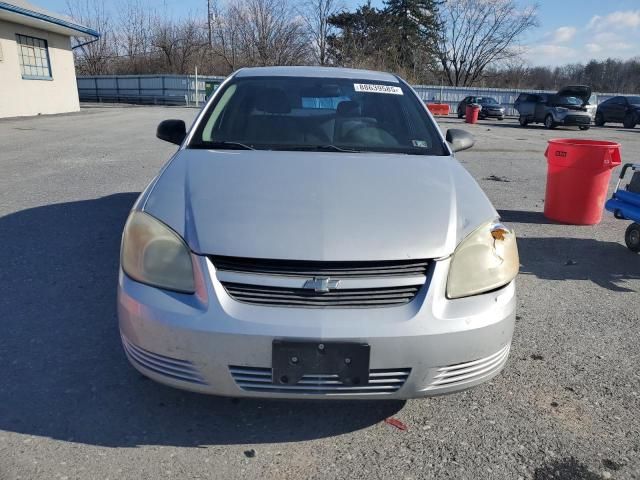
(348, 118)
(271, 120)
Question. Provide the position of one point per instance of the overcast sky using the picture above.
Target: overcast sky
(570, 30)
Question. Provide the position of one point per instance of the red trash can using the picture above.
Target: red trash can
(471, 113)
(578, 179)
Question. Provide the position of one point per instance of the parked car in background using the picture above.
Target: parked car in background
(569, 107)
(625, 110)
(490, 108)
(314, 236)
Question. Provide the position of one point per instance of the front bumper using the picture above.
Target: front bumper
(573, 119)
(493, 113)
(213, 344)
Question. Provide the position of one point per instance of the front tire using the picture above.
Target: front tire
(629, 120)
(460, 115)
(549, 123)
(599, 121)
(632, 237)
(523, 121)
(500, 118)
(584, 127)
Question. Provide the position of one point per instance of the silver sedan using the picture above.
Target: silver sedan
(315, 237)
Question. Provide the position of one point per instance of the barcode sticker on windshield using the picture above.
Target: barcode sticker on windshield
(370, 88)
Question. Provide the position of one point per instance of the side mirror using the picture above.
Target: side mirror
(172, 131)
(460, 139)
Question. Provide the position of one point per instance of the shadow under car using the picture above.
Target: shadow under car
(65, 375)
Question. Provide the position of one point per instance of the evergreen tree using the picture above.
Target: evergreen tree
(360, 37)
(413, 30)
(400, 37)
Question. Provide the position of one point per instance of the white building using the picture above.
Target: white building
(37, 74)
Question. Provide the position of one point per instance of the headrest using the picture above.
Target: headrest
(273, 100)
(348, 108)
(372, 109)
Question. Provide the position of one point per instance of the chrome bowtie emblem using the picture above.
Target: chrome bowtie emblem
(321, 284)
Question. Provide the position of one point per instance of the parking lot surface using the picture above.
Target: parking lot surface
(565, 407)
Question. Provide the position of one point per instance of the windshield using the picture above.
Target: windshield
(332, 114)
(634, 100)
(558, 100)
(487, 101)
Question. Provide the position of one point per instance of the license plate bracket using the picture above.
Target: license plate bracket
(293, 359)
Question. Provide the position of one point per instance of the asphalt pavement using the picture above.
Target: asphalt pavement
(565, 407)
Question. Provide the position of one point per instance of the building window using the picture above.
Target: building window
(34, 57)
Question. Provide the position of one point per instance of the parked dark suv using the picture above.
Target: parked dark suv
(570, 106)
(490, 107)
(619, 109)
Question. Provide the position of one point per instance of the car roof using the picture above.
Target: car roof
(323, 72)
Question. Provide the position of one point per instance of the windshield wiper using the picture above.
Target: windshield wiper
(223, 145)
(335, 148)
(316, 148)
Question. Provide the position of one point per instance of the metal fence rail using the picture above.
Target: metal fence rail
(453, 95)
(145, 89)
(506, 97)
(181, 90)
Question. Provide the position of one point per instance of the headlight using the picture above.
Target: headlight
(487, 259)
(154, 254)
(561, 109)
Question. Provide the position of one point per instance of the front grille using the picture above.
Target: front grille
(577, 119)
(462, 373)
(363, 283)
(300, 268)
(381, 382)
(173, 368)
(301, 297)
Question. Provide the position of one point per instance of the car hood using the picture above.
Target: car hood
(318, 205)
(583, 92)
(555, 101)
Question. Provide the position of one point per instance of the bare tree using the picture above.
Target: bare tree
(135, 21)
(226, 37)
(258, 33)
(478, 33)
(316, 14)
(209, 33)
(270, 33)
(511, 73)
(179, 43)
(93, 58)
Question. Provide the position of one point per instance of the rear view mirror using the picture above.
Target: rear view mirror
(325, 91)
(459, 139)
(172, 131)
